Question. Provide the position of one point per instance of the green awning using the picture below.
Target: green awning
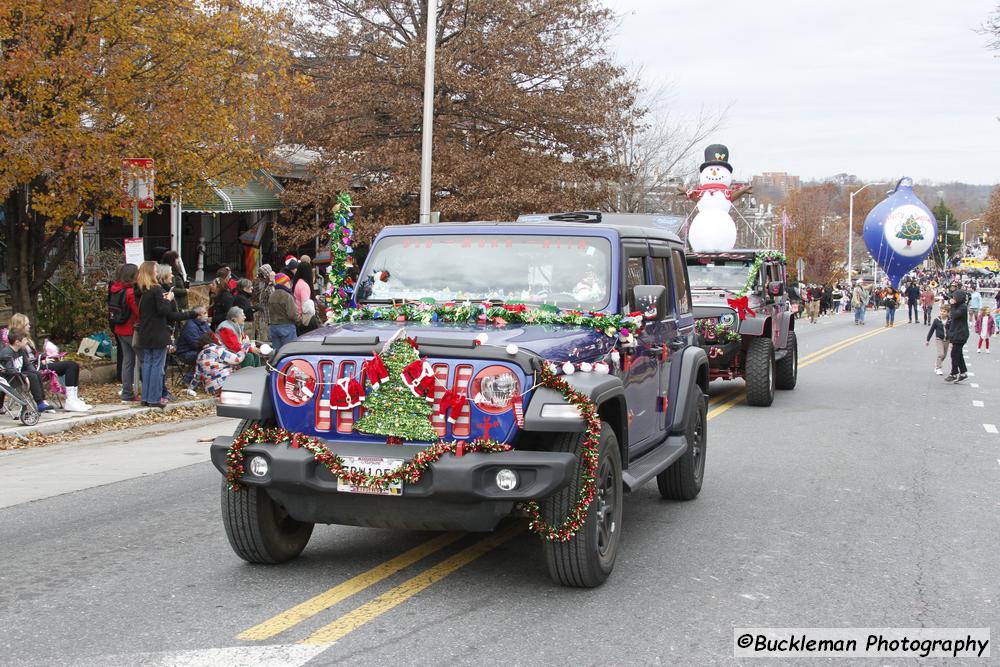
(260, 193)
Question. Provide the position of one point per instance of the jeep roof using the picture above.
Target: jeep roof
(736, 253)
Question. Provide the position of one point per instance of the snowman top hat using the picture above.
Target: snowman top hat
(716, 155)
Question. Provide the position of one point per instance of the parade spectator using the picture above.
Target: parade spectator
(125, 332)
(303, 295)
(282, 313)
(180, 285)
(927, 302)
(215, 363)
(289, 268)
(67, 368)
(939, 331)
(826, 301)
(189, 342)
(891, 303)
(16, 366)
(263, 288)
(859, 301)
(155, 311)
(985, 327)
(975, 303)
(958, 335)
(244, 292)
(912, 295)
(222, 296)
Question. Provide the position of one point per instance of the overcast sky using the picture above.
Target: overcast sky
(879, 88)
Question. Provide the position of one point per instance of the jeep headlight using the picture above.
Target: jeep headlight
(229, 397)
(727, 319)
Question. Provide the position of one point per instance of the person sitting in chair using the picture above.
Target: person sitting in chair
(70, 370)
(16, 365)
(189, 342)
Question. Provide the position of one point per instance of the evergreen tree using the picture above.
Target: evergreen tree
(393, 410)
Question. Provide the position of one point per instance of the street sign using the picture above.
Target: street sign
(800, 268)
(138, 175)
(134, 253)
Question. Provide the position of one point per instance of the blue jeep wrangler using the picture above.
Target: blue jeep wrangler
(650, 390)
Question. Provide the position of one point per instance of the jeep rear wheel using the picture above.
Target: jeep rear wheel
(586, 560)
(786, 371)
(759, 373)
(682, 480)
(259, 529)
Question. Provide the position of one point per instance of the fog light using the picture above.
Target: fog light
(258, 466)
(506, 480)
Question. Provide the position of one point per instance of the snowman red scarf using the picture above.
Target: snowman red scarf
(419, 377)
(701, 190)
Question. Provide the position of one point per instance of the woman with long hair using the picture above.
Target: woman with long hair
(156, 311)
(222, 295)
(303, 294)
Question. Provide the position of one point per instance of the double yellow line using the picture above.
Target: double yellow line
(369, 611)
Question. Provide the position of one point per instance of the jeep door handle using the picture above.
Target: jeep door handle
(678, 343)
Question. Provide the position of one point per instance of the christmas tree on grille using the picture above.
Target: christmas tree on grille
(394, 410)
(910, 231)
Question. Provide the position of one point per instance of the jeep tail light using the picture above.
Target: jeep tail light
(493, 389)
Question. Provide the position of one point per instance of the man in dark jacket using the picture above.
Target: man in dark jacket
(189, 342)
(281, 313)
(958, 334)
(912, 302)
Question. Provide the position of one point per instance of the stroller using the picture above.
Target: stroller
(27, 412)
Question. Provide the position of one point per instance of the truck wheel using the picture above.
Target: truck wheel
(682, 480)
(786, 371)
(586, 560)
(259, 529)
(759, 373)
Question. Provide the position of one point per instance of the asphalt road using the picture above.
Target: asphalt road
(865, 497)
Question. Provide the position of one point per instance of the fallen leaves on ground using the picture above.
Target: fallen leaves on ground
(36, 439)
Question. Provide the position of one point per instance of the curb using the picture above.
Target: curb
(67, 424)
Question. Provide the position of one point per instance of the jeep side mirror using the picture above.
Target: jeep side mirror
(776, 288)
(651, 300)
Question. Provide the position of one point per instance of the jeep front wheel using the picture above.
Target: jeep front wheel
(586, 560)
(258, 528)
(786, 371)
(759, 373)
(682, 480)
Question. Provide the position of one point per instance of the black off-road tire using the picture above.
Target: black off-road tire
(258, 528)
(759, 373)
(682, 480)
(786, 371)
(586, 560)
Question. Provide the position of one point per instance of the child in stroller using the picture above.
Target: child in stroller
(17, 370)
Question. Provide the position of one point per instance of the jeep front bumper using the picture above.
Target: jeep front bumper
(455, 493)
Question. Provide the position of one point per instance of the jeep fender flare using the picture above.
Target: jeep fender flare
(693, 375)
(607, 393)
(252, 381)
(753, 326)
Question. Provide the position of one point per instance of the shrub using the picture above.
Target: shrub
(73, 307)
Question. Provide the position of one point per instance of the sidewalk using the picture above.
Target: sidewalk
(57, 421)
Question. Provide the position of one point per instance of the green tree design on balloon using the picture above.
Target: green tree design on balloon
(910, 231)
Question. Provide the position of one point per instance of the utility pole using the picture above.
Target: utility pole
(427, 136)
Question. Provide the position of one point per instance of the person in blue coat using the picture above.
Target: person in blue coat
(189, 343)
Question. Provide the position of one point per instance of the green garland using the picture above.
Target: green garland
(613, 325)
(412, 470)
(340, 286)
(715, 333)
(758, 261)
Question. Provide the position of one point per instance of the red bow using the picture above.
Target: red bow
(742, 307)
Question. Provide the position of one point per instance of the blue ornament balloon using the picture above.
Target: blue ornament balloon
(900, 231)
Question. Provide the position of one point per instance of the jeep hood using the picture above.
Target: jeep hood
(555, 342)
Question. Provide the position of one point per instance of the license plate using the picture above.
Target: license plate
(372, 466)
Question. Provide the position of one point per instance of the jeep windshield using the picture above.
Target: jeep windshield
(730, 274)
(564, 271)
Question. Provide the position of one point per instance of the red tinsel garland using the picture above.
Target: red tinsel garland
(412, 470)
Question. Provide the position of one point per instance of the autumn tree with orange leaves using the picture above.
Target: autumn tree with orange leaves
(201, 86)
(526, 102)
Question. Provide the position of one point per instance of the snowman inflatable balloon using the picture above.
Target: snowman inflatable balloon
(712, 227)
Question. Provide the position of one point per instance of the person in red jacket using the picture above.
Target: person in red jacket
(125, 332)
